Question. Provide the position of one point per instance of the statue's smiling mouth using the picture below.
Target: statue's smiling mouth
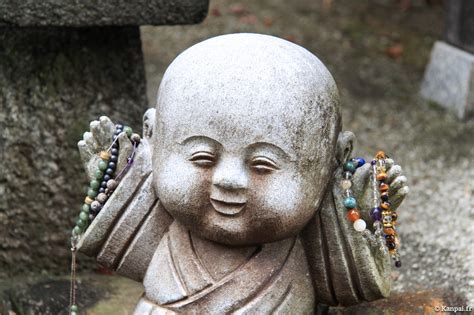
(228, 208)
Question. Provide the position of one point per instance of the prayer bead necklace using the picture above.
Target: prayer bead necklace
(99, 191)
(385, 236)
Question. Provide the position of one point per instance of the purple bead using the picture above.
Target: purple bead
(398, 264)
(373, 162)
(376, 214)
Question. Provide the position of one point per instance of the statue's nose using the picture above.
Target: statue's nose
(230, 174)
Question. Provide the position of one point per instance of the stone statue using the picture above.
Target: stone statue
(233, 203)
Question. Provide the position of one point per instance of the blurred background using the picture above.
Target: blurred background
(377, 51)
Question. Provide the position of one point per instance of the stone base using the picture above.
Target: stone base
(449, 79)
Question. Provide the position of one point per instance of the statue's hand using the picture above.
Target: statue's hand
(362, 188)
(98, 139)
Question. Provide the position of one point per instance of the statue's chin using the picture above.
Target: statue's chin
(229, 230)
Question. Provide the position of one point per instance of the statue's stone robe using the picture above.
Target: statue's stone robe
(272, 278)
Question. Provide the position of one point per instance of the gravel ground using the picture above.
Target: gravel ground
(377, 54)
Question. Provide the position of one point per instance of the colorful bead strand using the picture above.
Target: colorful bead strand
(384, 218)
(350, 201)
(388, 216)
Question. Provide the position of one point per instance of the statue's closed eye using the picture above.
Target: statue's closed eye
(203, 158)
(263, 164)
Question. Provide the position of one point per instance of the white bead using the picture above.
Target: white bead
(346, 184)
(389, 162)
(359, 225)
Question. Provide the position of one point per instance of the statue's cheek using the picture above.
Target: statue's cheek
(180, 184)
(282, 197)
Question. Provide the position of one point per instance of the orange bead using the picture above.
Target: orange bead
(380, 155)
(384, 187)
(353, 215)
(382, 176)
(389, 231)
(385, 205)
(104, 155)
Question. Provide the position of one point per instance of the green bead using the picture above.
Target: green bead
(86, 208)
(73, 313)
(81, 223)
(94, 184)
(102, 165)
(84, 216)
(74, 308)
(350, 166)
(77, 230)
(128, 131)
(99, 174)
(92, 193)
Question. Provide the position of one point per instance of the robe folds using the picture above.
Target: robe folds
(273, 279)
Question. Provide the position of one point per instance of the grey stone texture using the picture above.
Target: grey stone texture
(215, 234)
(52, 82)
(459, 24)
(105, 12)
(449, 79)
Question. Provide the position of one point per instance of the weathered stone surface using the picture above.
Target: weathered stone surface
(48, 295)
(52, 82)
(234, 243)
(435, 301)
(449, 79)
(459, 24)
(93, 13)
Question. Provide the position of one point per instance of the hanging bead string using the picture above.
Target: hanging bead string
(100, 189)
(388, 216)
(385, 235)
(72, 294)
(350, 201)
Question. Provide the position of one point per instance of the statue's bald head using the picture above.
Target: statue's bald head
(234, 84)
(247, 93)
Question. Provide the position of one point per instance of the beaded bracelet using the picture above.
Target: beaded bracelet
(100, 189)
(384, 236)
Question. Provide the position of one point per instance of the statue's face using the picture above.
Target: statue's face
(235, 185)
(242, 161)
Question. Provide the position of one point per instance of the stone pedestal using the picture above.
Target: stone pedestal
(449, 79)
(54, 78)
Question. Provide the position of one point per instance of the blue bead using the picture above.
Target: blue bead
(350, 203)
(360, 161)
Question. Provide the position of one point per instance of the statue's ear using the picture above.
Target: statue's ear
(345, 144)
(148, 124)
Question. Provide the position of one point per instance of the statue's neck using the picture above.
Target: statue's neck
(219, 259)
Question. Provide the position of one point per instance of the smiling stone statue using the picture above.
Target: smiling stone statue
(232, 205)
